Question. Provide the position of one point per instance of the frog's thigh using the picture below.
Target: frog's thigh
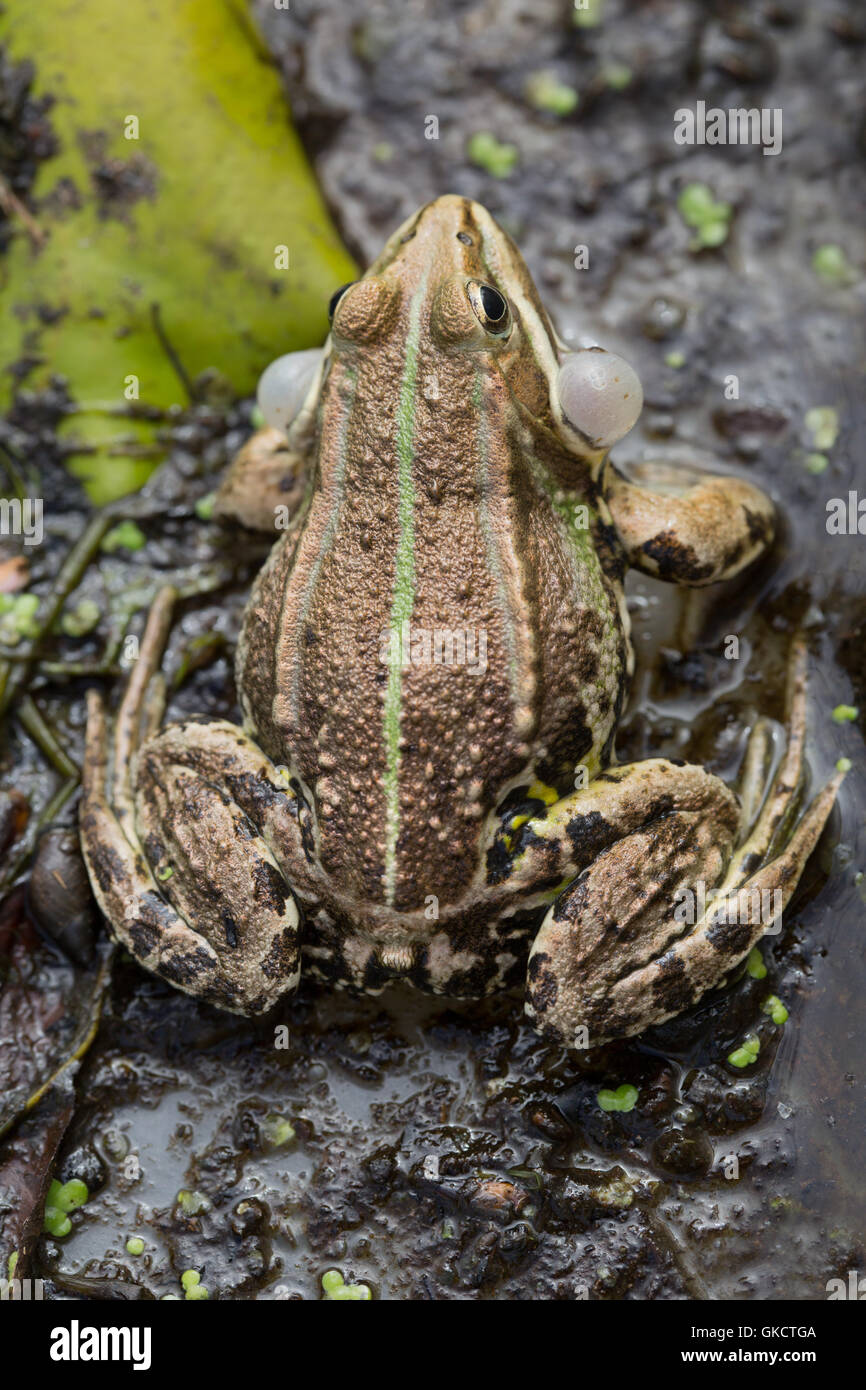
(624, 912)
(199, 899)
(687, 526)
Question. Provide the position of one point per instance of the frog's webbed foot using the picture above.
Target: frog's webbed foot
(181, 853)
(665, 913)
(687, 526)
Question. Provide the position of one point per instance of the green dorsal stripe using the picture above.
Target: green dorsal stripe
(404, 586)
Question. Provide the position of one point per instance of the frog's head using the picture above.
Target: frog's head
(451, 275)
(451, 283)
(452, 278)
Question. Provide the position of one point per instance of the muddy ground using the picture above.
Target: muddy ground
(445, 1152)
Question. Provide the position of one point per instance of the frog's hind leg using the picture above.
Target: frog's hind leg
(665, 913)
(181, 851)
(757, 875)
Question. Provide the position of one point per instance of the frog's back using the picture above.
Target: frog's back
(440, 628)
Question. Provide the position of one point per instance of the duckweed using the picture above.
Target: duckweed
(488, 153)
(192, 1286)
(831, 265)
(191, 1203)
(63, 1198)
(335, 1288)
(78, 621)
(773, 1006)
(18, 617)
(845, 714)
(68, 1196)
(816, 463)
(699, 210)
(125, 536)
(746, 1053)
(617, 75)
(545, 92)
(822, 422)
(623, 1098)
(277, 1130)
(56, 1223)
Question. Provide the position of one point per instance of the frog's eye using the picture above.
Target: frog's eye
(600, 395)
(490, 308)
(336, 297)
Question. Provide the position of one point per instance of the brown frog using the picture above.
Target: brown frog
(432, 666)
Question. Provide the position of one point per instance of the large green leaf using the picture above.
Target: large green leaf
(186, 217)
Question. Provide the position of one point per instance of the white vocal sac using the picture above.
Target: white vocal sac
(600, 395)
(283, 385)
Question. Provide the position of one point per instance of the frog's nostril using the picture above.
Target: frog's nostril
(600, 395)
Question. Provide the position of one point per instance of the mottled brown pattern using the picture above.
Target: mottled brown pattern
(496, 562)
(436, 482)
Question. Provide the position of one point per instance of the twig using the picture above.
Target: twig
(170, 352)
(45, 738)
(13, 207)
(71, 571)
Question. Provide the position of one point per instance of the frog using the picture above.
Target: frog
(423, 790)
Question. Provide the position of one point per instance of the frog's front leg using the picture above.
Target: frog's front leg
(675, 521)
(265, 483)
(686, 526)
(189, 852)
(629, 942)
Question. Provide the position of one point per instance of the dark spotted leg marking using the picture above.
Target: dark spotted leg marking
(686, 526)
(181, 872)
(614, 956)
(552, 848)
(617, 920)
